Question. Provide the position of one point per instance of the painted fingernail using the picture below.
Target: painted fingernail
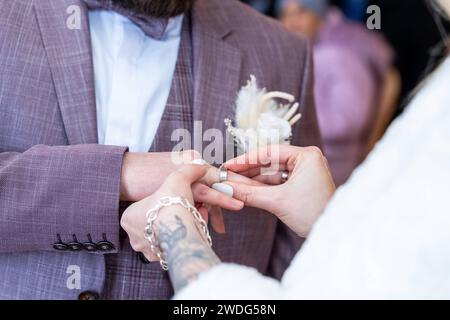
(223, 188)
(198, 162)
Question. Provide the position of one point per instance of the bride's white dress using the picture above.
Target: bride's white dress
(386, 233)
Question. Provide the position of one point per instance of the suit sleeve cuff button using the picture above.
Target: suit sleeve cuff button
(105, 246)
(60, 246)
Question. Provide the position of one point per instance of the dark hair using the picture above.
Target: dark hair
(437, 54)
(439, 14)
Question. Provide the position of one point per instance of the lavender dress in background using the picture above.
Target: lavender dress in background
(350, 63)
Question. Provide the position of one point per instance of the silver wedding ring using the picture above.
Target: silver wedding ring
(284, 176)
(223, 174)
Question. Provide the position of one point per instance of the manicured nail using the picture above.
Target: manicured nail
(198, 162)
(223, 188)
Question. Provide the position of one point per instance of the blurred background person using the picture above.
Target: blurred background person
(353, 9)
(267, 7)
(411, 29)
(356, 87)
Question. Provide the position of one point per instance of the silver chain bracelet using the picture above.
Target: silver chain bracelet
(152, 215)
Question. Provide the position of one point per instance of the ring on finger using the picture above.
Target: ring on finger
(284, 176)
(223, 174)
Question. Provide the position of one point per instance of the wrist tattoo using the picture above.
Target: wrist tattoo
(187, 255)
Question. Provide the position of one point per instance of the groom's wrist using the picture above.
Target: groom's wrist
(138, 180)
(125, 178)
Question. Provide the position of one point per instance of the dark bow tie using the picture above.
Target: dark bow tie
(152, 27)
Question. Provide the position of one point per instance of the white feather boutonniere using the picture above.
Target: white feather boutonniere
(261, 119)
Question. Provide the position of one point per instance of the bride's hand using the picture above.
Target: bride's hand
(198, 177)
(297, 202)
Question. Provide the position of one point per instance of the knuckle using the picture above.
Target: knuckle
(141, 247)
(149, 256)
(124, 222)
(202, 191)
(315, 152)
(196, 188)
(134, 245)
(246, 197)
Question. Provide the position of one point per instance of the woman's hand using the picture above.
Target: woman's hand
(186, 251)
(191, 182)
(298, 202)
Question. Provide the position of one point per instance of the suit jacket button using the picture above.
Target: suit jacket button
(90, 246)
(75, 246)
(60, 246)
(105, 246)
(88, 295)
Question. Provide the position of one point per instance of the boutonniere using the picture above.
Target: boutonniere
(261, 119)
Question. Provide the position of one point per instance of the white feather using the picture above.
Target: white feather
(247, 103)
(261, 120)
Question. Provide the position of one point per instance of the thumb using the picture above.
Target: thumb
(260, 197)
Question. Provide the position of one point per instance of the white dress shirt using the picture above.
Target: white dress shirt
(133, 78)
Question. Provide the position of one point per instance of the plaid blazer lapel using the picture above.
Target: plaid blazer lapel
(217, 66)
(69, 54)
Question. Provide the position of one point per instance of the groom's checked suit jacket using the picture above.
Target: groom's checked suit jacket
(59, 189)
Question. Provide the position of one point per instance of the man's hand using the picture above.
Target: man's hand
(144, 173)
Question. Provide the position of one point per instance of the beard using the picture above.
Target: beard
(157, 8)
